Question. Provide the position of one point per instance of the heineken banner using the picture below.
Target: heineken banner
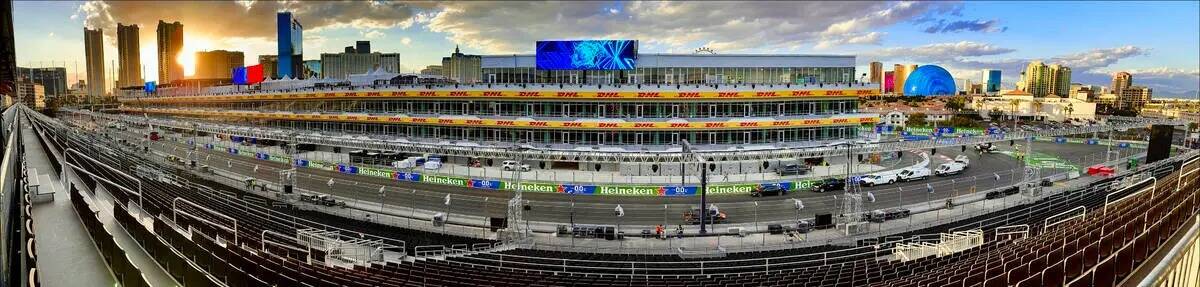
(376, 172)
(279, 159)
(445, 180)
(530, 187)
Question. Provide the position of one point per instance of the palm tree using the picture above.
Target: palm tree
(1014, 103)
(1070, 110)
(1037, 107)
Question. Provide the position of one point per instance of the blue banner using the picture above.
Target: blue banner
(579, 189)
(1060, 140)
(1093, 141)
(1123, 145)
(408, 176)
(233, 151)
(347, 169)
(301, 162)
(484, 184)
(680, 190)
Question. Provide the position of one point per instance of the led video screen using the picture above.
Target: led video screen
(587, 55)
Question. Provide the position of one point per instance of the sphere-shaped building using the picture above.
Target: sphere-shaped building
(929, 80)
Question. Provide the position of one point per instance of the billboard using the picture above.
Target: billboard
(587, 55)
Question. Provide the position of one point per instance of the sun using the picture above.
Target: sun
(187, 55)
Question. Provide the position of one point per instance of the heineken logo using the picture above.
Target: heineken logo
(445, 180)
(375, 172)
(627, 190)
(731, 189)
(532, 187)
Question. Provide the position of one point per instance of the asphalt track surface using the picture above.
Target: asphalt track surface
(587, 209)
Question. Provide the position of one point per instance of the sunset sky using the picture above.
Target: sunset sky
(1159, 42)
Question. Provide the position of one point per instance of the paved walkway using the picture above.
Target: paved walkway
(67, 255)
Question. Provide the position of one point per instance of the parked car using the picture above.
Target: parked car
(793, 169)
(959, 164)
(878, 179)
(510, 165)
(830, 184)
(768, 190)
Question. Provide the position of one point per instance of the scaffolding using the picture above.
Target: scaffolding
(948, 244)
(347, 251)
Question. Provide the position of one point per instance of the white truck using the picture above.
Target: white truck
(957, 166)
(913, 173)
(879, 179)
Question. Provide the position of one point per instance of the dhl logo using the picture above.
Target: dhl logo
(833, 93)
(841, 121)
(812, 122)
(572, 125)
(539, 124)
(505, 123)
(765, 94)
(330, 95)
(863, 92)
(606, 125)
(400, 94)
(350, 94)
(643, 125)
(689, 94)
(493, 94)
(396, 119)
(445, 121)
(748, 124)
(801, 93)
(427, 93)
(727, 94)
(352, 118)
(293, 96)
(373, 94)
(458, 94)
(781, 123)
(419, 120)
(567, 94)
(866, 120)
(474, 122)
(608, 95)
(276, 96)
(647, 94)
(680, 125)
(529, 94)
(714, 125)
(331, 117)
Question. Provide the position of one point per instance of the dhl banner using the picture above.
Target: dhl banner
(582, 124)
(561, 95)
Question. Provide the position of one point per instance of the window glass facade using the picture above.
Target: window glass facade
(667, 75)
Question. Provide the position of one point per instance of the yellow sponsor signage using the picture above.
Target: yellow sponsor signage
(548, 124)
(622, 95)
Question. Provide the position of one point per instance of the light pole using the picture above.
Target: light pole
(688, 150)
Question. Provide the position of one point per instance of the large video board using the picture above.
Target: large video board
(587, 55)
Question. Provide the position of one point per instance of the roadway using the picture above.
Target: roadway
(553, 207)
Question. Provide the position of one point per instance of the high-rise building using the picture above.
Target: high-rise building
(31, 94)
(218, 64)
(432, 70)
(876, 72)
(129, 59)
(462, 68)
(291, 46)
(991, 81)
(340, 66)
(1036, 79)
(899, 72)
(1120, 82)
(1060, 80)
(52, 79)
(8, 51)
(349, 50)
(1134, 98)
(362, 47)
(170, 44)
(889, 82)
(270, 64)
(93, 48)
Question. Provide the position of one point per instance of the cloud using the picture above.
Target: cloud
(1098, 58)
(966, 25)
(938, 52)
(248, 19)
(406, 41)
(373, 34)
(725, 26)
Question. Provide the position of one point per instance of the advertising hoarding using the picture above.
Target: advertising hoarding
(587, 55)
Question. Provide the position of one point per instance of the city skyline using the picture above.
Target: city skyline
(962, 37)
